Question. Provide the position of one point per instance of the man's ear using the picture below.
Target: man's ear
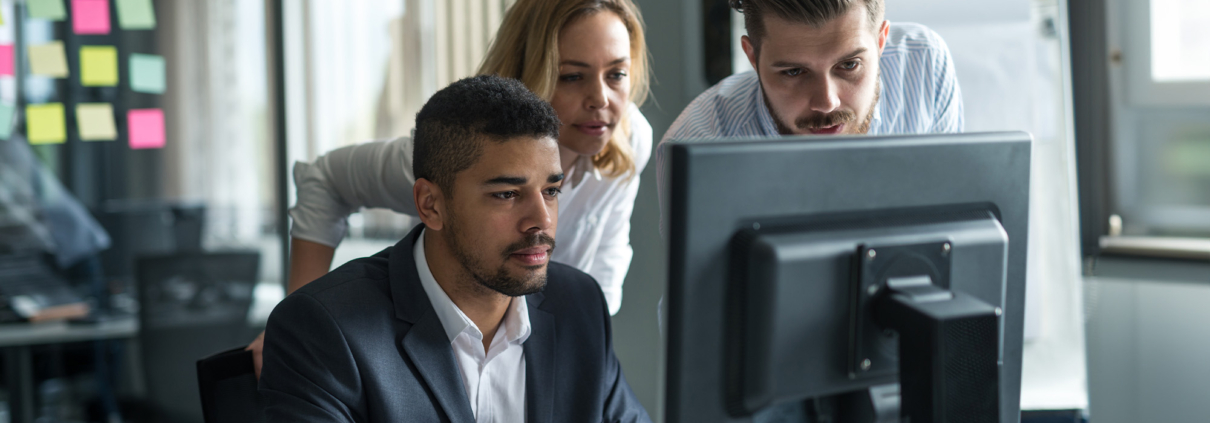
(882, 34)
(430, 203)
(749, 50)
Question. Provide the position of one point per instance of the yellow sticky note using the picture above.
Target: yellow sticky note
(95, 122)
(98, 66)
(45, 123)
(48, 60)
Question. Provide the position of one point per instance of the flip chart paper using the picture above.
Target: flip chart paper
(136, 14)
(47, 9)
(147, 73)
(95, 122)
(98, 66)
(7, 111)
(48, 60)
(45, 123)
(90, 17)
(6, 59)
(146, 128)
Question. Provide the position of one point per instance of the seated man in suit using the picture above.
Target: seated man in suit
(465, 319)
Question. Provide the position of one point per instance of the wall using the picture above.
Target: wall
(674, 41)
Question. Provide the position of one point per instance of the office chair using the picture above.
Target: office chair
(227, 383)
(190, 305)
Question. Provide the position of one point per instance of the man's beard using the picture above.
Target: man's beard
(500, 280)
(817, 120)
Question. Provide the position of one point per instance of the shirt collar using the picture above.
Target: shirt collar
(516, 320)
(582, 167)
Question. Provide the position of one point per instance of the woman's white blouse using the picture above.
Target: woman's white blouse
(593, 234)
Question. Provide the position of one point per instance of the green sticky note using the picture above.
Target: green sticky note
(47, 9)
(45, 123)
(147, 73)
(136, 14)
(95, 122)
(7, 111)
(48, 60)
(98, 66)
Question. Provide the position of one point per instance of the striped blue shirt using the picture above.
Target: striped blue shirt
(920, 95)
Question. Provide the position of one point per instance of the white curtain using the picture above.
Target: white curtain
(360, 71)
(219, 150)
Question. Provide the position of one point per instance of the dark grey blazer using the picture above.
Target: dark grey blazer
(362, 344)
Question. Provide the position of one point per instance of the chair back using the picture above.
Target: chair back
(228, 388)
(190, 305)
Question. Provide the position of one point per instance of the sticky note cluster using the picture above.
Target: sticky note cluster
(98, 66)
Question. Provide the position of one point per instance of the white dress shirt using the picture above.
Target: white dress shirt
(594, 211)
(495, 379)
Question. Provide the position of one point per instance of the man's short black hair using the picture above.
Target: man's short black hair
(811, 12)
(453, 125)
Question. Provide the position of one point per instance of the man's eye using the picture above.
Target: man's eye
(507, 195)
(850, 65)
(554, 192)
(792, 72)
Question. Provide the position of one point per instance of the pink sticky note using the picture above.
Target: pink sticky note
(145, 128)
(90, 16)
(6, 59)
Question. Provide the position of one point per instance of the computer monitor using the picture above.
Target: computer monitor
(847, 279)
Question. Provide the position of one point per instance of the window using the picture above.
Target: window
(1165, 51)
(360, 71)
(1180, 44)
(1160, 97)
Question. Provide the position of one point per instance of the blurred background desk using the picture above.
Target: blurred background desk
(18, 339)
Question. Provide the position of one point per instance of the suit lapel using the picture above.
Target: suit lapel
(426, 343)
(541, 364)
(429, 348)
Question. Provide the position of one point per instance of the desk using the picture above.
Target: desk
(17, 341)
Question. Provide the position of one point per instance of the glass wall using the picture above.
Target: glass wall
(359, 71)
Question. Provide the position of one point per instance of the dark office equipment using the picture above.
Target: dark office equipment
(190, 305)
(148, 227)
(848, 279)
(30, 289)
(227, 382)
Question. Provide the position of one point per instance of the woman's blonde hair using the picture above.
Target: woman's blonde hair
(527, 48)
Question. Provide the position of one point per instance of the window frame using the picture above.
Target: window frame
(1141, 89)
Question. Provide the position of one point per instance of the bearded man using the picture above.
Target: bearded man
(825, 67)
(466, 319)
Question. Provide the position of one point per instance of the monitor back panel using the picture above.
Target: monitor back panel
(720, 188)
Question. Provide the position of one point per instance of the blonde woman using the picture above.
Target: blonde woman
(587, 58)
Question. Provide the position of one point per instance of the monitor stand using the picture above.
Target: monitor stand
(948, 352)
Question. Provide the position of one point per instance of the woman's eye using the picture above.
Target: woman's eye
(570, 77)
(618, 75)
(508, 195)
(792, 72)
